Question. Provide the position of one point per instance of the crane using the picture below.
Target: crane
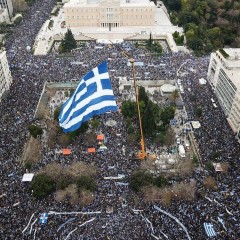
(142, 153)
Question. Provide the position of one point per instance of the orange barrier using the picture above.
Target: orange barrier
(66, 151)
(91, 150)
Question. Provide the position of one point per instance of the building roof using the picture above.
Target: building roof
(234, 53)
(230, 64)
(232, 61)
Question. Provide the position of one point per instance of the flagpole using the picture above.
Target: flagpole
(141, 155)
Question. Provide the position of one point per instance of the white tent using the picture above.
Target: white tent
(202, 81)
(27, 177)
(217, 167)
(28, 48)
(195, 124)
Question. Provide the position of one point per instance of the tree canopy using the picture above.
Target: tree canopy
(42, 186)
(208, 24)
(141, 178)
(35, 130)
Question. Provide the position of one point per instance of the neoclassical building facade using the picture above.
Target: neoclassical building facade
(109, 13)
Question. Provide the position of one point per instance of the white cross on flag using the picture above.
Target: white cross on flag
(43, 218)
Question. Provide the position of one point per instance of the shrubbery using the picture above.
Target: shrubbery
(35, 130)
(55, 177)
(85, 183)
(140, 179)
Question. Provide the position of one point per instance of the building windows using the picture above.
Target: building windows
(109, 17)
(109, 9)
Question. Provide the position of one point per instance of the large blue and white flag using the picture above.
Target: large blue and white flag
(43, 218)
(93, 96)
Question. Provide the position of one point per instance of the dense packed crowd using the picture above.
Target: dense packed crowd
(131, 217)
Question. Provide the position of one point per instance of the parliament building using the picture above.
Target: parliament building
(109, 13)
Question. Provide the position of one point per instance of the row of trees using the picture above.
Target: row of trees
(208, 25)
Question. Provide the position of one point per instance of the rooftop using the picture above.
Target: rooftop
(230, 58)
(234, 53)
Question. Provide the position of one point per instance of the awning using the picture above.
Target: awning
(66, 151)
(91, 150)
(100, 137)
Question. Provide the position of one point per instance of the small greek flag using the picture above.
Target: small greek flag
(93, 96)
(43, 218)
(209, 230)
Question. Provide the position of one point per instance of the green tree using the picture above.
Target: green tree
(159, 138)
(56, 113)
(87, 183)
(175, 34)
(42, 186)
(149, 120)
(130, 129)
(209, 165)
(35, 130)
(198, 112)
(68, 43)
(195, 43)
(214, 33)
(166, 115)
(28, 165)
(129, 109)
(174, 5)
(142, 95)
(63, 181)
(140, 179)
(190, 34)
(160, 181)
(150, 41)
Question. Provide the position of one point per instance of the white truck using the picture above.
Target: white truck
(181, 151)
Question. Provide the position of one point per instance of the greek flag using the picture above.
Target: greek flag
(209, 230)
(93, 96)
(43, 218)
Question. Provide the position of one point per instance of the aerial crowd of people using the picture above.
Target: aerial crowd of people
(130, 216)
